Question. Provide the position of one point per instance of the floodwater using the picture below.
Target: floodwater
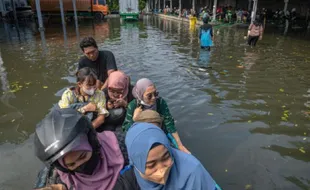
(244, 112)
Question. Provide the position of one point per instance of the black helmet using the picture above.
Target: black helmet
(59, 132)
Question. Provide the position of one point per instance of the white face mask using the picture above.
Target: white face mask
(90, 91)
(145, 104)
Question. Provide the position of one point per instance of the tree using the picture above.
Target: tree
(142, 4)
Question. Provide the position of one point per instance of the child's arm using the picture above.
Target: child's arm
(101, 109)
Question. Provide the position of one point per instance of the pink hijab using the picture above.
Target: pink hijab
(118, 80)
(106, 173)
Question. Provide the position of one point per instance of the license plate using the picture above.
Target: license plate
(129, 17)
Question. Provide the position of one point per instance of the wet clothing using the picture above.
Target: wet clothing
(186, 171)
(205, 36)
(255, 31)
(252, 40)
(104, 63)
(168, 124)
(72, 95)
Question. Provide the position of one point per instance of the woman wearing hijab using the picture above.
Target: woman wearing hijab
(119, 91)
(80, 158)
(147, 99)
(158, 166)
(118, 94)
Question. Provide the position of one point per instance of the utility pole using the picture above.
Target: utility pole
(75, 18)
(286, 16)
(14, 10)
(39, 15)
(2, 8)
(285, 6)
(147, 6)
(214, 10)
(254, 10)
(63, 20)
(250, 5)
(194, 6)
(180, 8)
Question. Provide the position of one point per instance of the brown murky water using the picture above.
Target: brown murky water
(246, 119)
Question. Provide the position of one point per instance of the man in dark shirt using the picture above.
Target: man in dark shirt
(102, 62)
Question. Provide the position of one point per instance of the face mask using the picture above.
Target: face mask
(159, 177)
(89, 166)
(89, 92)
(145, 104)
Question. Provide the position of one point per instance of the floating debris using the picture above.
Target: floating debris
(301, 149)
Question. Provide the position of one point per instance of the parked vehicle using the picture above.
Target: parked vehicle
(87, 8)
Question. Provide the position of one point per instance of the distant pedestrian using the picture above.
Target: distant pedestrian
(255, 32)
(206, 35)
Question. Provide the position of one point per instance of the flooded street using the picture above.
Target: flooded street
(246, 118)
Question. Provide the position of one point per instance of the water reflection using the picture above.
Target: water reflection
(302, 183)
(43, 41)
(204, 58)
(12, 117)
(300, 152)
(233, 110)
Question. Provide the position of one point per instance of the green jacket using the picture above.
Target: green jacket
(162, 109)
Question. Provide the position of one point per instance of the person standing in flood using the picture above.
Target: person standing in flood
(102, 62)
(206, 36)
(255, 32)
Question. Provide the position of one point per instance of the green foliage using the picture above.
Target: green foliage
(142, 4)
(113, 5)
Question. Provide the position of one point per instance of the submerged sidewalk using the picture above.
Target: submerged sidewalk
(198, 23)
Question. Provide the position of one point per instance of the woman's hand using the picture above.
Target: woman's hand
(110, 105)
(137, 111)
(90, 107)
(260, 37)
(120, 103)
(54, 187)
(184, 149)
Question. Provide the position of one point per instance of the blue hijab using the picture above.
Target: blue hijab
(186, 173)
